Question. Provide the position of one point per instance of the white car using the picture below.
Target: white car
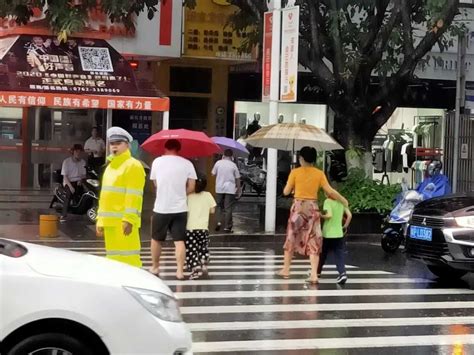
(54, 301)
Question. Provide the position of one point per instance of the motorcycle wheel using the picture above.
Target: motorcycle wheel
(92, 214)
(390, 243)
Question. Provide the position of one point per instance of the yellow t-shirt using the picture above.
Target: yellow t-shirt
(199, 206)
(306, 182)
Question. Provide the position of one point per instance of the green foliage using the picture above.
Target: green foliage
(67, 17)
(367, 195)
(345, 43)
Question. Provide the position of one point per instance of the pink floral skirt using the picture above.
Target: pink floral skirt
(303, 234)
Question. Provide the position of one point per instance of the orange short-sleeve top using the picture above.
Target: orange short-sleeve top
(306, 182)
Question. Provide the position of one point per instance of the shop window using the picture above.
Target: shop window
(189, 113)
(187, 79)
(10, 123)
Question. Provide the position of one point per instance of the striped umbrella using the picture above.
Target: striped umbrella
(293, 137)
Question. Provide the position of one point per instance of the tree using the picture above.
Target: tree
(345, 44)
(67, 17)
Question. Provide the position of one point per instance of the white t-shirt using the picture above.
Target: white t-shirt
(226, 172)
(199, 206)
(74, 170)
(171, 174)
(97, 145)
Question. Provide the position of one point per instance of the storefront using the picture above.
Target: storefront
(52, 94)
(249, 116)
(408, 142)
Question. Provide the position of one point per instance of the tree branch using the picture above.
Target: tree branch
(382, 39)
(425, 45)
(316, 63)
(375, 24)
(335, 34)
(407, 29)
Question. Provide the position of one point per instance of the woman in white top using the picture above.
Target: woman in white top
(200, 205)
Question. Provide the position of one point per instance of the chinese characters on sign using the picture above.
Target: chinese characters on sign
(141, 127)
(83, 102)
(267, 56)
(207, 34)
(42, 63)
(289, 55)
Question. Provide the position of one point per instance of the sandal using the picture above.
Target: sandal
(195, 275)
(280, 276)
(312, 282)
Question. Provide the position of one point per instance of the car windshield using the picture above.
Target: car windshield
(12, 249)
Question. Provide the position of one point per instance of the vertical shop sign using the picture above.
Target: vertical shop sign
(166, 23)
(267, 55)
(289, 55)
(464, 151)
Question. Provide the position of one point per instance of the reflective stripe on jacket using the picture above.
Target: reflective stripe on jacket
(121, 196)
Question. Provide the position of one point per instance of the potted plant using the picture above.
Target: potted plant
(370, 201)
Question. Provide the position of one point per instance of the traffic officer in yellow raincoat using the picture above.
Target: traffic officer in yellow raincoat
(121, 199)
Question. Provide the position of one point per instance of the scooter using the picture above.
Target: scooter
(254, 178)
(87, 203)
(396, 224)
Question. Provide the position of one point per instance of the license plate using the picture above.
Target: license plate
(421, 233)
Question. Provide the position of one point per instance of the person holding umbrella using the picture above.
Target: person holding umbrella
(174, 178)
(304, 229)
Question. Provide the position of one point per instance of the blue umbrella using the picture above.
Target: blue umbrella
(228, 143)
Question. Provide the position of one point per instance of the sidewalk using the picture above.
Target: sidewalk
(20, 211)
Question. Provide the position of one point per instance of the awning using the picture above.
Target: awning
(81, 74)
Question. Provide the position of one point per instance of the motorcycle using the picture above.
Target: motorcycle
(254, 178)
(87, 203)
(396, 224)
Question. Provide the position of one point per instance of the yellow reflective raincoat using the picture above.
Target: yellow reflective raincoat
(121, 200)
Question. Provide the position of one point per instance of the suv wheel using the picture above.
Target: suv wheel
(50, 343)
(446, 272)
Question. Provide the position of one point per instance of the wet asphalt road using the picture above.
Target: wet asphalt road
(389, 306)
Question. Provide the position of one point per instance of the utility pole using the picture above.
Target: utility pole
(460, 98)
(271, 190)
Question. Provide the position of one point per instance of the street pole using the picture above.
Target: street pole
(108, 124)
(460, 97)
(166, 120)
(270, 196)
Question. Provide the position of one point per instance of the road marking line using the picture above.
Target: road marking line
(333, 343)
(247, 267)
(255, 262)
(329, 323)
(224, 249)
(218, 256)
(290, 281)
(321, 307)
(320, 293)
(272, 272)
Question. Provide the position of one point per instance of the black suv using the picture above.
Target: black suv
(441, 235)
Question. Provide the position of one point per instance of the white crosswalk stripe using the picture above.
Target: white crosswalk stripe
(243, 307)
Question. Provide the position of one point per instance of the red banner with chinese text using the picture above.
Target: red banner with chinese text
(58, 100)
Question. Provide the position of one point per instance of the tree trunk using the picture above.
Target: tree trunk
(355, 133)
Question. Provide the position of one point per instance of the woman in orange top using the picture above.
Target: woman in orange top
(304, 228)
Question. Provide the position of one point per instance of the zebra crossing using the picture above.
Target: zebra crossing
(243, 308)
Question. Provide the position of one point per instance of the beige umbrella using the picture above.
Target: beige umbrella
(292, 137)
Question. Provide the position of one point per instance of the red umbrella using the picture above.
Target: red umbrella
(193, 144)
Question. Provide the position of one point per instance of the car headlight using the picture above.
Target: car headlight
(93, 182)
(467, 222)
(158, 304)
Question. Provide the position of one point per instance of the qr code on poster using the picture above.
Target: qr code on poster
(95, 59)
